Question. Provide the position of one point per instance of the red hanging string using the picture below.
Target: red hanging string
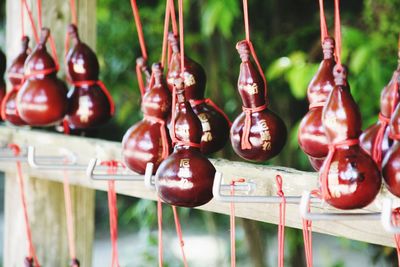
(211, 103)
(102, 87)
(140, 80)
(181, 37)
(396, 221)
(327, 163)
(282, 220)
(173, 17)
(338, 35)
(139, 27)
(180, 237)
(160, 239)
(324, 29)
(31, 249)
(113, 210)
(165, 35)
(74, 16)
(39, 13)
(30, 16)
(307, 236)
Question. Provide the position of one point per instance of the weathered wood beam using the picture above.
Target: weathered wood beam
(295, 182)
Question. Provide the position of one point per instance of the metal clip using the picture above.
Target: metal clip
(66, 162)
(127, 175)
(7, 155)
(386, 218)
(337, 216)
(149, 179)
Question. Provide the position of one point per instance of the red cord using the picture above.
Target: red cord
(102, 87)
(30, 16)
(160, 239)
(327, 164)
(74, 16)
(31, 249)
(165, 36)
(181, 37)
(164, 136)
(140, 80)
(338, 35)
(180, 237)
(377, 147)
(396, 220)
(324, 29)
(173, 17)
(208, 101)
(139, 27)
(113, 210)
(282, 220)
(307, 236)
(245, 142)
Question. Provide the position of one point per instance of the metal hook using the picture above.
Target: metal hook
(248, 187)
(66, 162)
(7, 155)
(149, 179)
(127, 175)
(337, 216)
(386, 218)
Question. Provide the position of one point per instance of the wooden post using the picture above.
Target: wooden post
(45, 199)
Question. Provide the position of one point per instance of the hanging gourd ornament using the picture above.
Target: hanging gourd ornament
(375, 139)
(90, 103)
(186, 177)
(15, 74)
(311, 134)
(215, 123)
(349, 177)
(391, 163)
(257, 134)
(148, 140)
(42, 99)
(3, 65)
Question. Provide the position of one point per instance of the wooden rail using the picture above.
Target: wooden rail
(294, 183)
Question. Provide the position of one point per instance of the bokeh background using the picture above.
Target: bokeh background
(286, 36)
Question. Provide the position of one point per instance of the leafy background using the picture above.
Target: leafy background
(286, 36)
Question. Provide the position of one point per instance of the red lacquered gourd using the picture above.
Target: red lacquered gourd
(15, 74)
(186, 177)
(90, 106)
(349, 178)
(311, 135)
(148, 140)
(266, 134)
(214, 122)
(391, 163)
(42, 99)
(375, 139)
(316, 163)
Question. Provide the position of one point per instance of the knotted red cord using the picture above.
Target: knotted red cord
(102, 87)
(282, 220)
(208, 101)
(324, 179)
(307, 234)
(324, 29)
(245, 142)
(30, 16)
(338, 36)
(232, 222)
(31, 249)
(396, 221)
(113, 210)
(164, 136)
(180, 237)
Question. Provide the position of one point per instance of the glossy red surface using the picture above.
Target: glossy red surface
(268, 131)
(311, 134)
(143, 143)
(388, 102)
(89, 105)
(42, 99)
(186, 177)
(316, 163)
(3, 64)
(352, 177)
(9, 108)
